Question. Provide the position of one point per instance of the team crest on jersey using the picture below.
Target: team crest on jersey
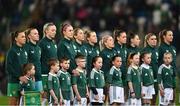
(118, 51)
(54, 81)
(108, 56)
(90, 52)
(166, 73)
(116, 74)
(134, 73)
(96, 77)
(48, 46)
(146, 74)
(167, 50)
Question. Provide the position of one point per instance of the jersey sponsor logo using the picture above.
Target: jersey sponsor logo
(167, 50)
(54, 81)
(134, 73)
(118, 51)
(32, 52)
(96, 77)
(108, 56)
(146, 74)
(116, 74)
(18, 54)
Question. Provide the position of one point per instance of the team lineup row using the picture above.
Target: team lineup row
(40, 52)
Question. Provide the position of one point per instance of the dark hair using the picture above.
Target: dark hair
(131, 36)
(114, 58)
(131, 55)
(27, 67)
(52, 62)
(15, 34)
(62, 59)
(162, 34)
(80, 56)
(94, 60)
(64, 27)
(117, 33)
(143, 55)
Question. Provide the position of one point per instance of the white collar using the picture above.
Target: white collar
(80, 70)
(135, 67)
(118, 69)
(52, 74)
(166, 66)
(146, 66)
(96, 70)
(64, 72)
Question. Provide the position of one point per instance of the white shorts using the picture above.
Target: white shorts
(116, 94)
(168, 96)
(149, 91)
(82, 103)
(66, 102)
(134, 102)
(100, 94)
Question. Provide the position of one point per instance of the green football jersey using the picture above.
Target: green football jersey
(34, 56)
(16, 58)
(115, 77)
(48, 50)
(65, 84)
(96, 79)
(53, 84)
(81, 83)
(134, 76)
(165, 76)
(147, 75)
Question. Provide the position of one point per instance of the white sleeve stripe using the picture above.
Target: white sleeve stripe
(160, 69)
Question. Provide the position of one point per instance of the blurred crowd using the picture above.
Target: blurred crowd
(140, 16)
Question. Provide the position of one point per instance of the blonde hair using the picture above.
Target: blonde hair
(103, 41)
(147, 38)
(46, 26)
